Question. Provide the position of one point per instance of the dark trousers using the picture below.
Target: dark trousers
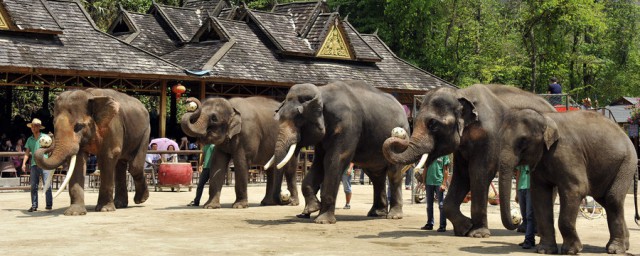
(431, 190)
(526, 210)
(204, 177)
(34, 178)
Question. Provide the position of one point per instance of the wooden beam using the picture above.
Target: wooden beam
(163, 110)
(203, 90)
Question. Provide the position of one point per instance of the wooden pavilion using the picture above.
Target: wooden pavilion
(210, 46)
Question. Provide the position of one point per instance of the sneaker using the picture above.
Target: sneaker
(193, 203)
(427, 227)
(361, 182)
(32, 209)
(407, 187)
(442, 229)
(48, 207)
(346, 207)
(527, 245)
(521, 229)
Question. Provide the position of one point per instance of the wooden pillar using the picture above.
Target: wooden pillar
(163, 110)
(203, 90)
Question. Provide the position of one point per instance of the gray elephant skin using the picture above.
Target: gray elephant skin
(464, 122)
(109, 124)
(345, 121)
(243, 130)
(582, 153)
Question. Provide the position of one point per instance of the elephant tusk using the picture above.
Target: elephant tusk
(287, 157)
(47, 183)
(266, 166)
(422, 161)
(72, 167)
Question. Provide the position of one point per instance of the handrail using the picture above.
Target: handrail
(178, 152)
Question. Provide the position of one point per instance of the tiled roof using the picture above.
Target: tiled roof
(301, 12)
(318, 30)
(208, 5)
(151, 36)
(32, 15)
(281, 30)
(185, 21)
(360, 47)
(194, 56)
(82, 47)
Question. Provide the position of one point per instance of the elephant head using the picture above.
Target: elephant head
(214, 121)
(81, 120)
(524, 137)
(437, 128)
(301, 121)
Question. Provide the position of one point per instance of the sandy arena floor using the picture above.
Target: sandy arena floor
(165, 226)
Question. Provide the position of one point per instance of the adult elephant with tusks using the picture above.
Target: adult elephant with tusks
(345, 121)
(109, 124)
(242, 129)
(464, 122)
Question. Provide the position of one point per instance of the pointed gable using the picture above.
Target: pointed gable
(279, 29)
(303, 14)
(3, 23)
(183, 21)
(211, 30)
(335, 44)
(29, 16)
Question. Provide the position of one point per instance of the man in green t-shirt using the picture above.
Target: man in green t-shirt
(33, 144)
(205, 170)
(436, 183)
(526, 208)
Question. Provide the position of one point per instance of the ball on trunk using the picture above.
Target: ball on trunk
(45, 141)
(399, 132)
(516, 217)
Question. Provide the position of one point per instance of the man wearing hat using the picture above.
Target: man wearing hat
(33, 144)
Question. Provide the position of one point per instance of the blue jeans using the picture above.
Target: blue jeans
(407, 177)
(431, 189)
(346, 182)
(204, 177)
(528, 220)
(34, 177)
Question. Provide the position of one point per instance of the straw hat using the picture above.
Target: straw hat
(36, 122)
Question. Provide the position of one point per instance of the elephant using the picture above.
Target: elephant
(345, 121)
(242, 129)
(106, 123)
(582, 153)
(464, 122)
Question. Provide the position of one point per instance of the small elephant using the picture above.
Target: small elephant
(345, 121)
(109, 124)
(242, 129)
(582, 153)
(464, 122)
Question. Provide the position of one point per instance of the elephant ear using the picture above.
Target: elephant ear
(103, 109)
(276, 116)
(467, 114)
(312, 107)
(550, 132)
(235, 124)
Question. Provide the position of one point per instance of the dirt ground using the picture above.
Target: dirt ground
(164, 225)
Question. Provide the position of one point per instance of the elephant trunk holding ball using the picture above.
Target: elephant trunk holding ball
(242, 129)
(582, 153)
(345, 121)
(109, 124)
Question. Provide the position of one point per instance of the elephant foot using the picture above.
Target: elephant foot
(75, 210)
(462, 229)
(547, 248)
(326, 218)
(311, 207)
(211, 205)
(109, 207)
(395, 213)
(266, 202)
(616, 247)
(377, 212)
(240, 204)
(294, 202)
(479, 233)
(141, 197)
(120, 203)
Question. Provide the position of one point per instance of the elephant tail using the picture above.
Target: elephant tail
(635, 195)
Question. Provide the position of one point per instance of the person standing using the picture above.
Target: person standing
(205, 172)
(554, 88)
(526, 207)
(436, 183)
(346, 184)
(33, 144)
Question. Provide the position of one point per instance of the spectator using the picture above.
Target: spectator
(152, 159)
(523, 197)
(436, 176)
(17, 160)
(361, 177)
(346, 184)
(408, 175)
(33, 144)
(204, 168)
(554, 88)
(170, 158)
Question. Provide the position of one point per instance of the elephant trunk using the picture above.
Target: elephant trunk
(505, 177)
(65, 144)
(288, 138)
(402, 151)
(194, 124)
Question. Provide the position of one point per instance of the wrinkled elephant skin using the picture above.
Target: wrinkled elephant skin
(109, 124)
(245, 131)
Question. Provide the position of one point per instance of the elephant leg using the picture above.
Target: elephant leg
(136, 169)
(311, 183)
(613, 203)
(107, 175)
(219, 167)
(336, 162)
(76, 187)
(380, 201)
(481, 178)
(292, 186)
(395, 175)
(271, 191)
(542, 200)
(121, 199)
(569, 207)
(458, 190)
(242, 178)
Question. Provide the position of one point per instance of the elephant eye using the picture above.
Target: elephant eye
(214, 119)
(304, 98)
(78, 127)
(433, 125)
(522, 143)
